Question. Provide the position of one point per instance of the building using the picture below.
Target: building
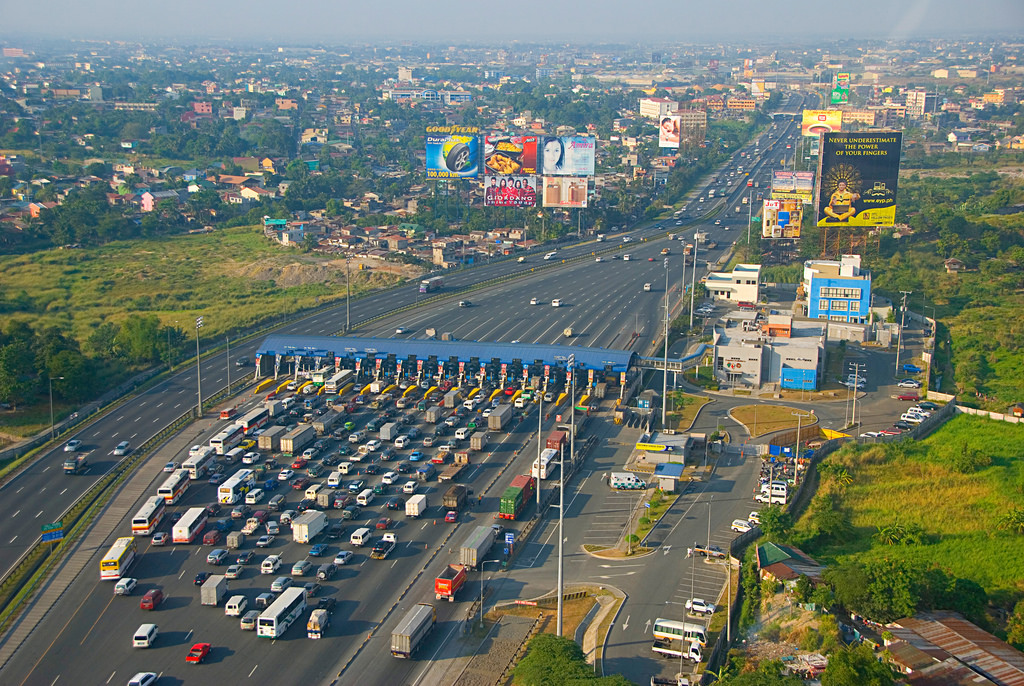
(742, 285)
(837, 291)
(656, 108)
(405, 73)
(920, 102)
(742, 104)
(773, 351)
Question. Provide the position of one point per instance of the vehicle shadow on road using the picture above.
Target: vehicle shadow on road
(345, 626)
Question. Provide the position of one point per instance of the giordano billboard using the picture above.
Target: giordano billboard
(857, 174)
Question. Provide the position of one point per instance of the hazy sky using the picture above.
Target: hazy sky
(459, 21)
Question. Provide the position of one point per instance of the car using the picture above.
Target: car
(725, 228)
(465, 303)
(870, 434)
(409, 487)
(200, 578)
(217, 479)
(312, 589)
(718, 222)
(217, 557)
(699, 606)
(405, 468)
(355, 436)
(902, 425)
(245, 558)
(152, 598)
(557, 302)
(599, 259)
(451, 516)
(928, 405)
(860, 384)
(264, 541)
(72, 446)
(912, 368)
(535, 301)
(326, 604)
(300, 463)
(318, 550)
(143, 679)
(240, 512)
(351, 512)
(754, 517)
(287, 516)
(908, 383)
(197, 653)
(248, 621)
(356, 486)
(890, 432)
(389, 478)
(301, 568)
(372, 469)
(384, 523)
(394, 503)
(401, 329)
(171, 466)
(125, 585)
(650, 259)
(234, 572)
(300, 483)
(160, 538)
(741, 525)
(343, 557)
(373, 445)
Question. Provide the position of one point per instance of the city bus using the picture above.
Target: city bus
(276, 619)
(200, 463)
(146, 520)
(254, 419)
(673, 630)
(174, 486)
(338, 381)
(227, 439)
(548, 463)
(118, 559)
(189, 526)
(235, 488)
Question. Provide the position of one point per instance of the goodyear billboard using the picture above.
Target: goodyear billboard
(510, 154)
(565, 191)
(510, 191)
(793, 185)
(668, 131)
(453, 152)
(858, 174)
(817, 122)
(567, 155)
(782, 218)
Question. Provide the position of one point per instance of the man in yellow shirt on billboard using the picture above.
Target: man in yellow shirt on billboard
(840, 205)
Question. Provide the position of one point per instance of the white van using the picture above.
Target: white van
(462, 434)
(402, 441)
(313, 490)
(270, 564)
(359, 536)
(365, 498)
(236, 606)
(286, 403)
(647, 288)
(626, 481)
(779, 492)
(695, 633)
(144, 636)
(550, 255)
(334, 480)
(345, 467)
(254, 496)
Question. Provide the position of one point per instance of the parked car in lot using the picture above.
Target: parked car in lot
(912, 369)
(741, 525)
(908, 383)
(699, 606)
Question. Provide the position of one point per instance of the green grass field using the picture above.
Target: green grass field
(915, 484)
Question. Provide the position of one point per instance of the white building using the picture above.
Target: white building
(741, 285)
(773, 351)
(656, 108)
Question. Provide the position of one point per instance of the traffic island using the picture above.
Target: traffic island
(762, 419)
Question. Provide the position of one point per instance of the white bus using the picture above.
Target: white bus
(673, 630)
(199, 465)
(338, 381)
(118, 559)
(227, 439)
(235, 488)
(276, 619)
(174, 486)
(189, 526)
(546, 462)
(146, 520)
(254, 419)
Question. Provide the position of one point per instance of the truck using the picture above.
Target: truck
(433, 414)
(452, 398)
(275, 407)
(600, 390)
(416, 505)
(318, 622)
(625, 481)
(324, 498)
(326, 422)
(449, 581)
(434, 283)
(76, 464)
(440, 457)
(451, 472)
(515, 497)
(478, 441)
(270, 440)
(296, 440)
(389, 431)
(213, 590)
(455, 497)
(251, 525)
(677, 647)
(474, 549)
(556, 440)
(383, 547)
(308, 525)
(499, 417)
(235, 539)
(409, 632)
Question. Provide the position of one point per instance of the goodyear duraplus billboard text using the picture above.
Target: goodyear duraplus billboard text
(858, 174)
(453, 152)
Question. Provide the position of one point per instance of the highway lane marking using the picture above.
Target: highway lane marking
(64, 491)
(111, 677)
(15, 514)
(432, 657)
(183, 574)
(188, 634)
(253, 671)
(55, 680)
(37, 516)
(13, 539)
(99, 616)
(20, 489)
(42, 489)
(46, 469)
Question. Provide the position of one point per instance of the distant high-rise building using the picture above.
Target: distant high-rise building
(405, 73)
(920, 102)
(656, 108)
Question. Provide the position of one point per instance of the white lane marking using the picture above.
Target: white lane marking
(37, 516)
(15, 514)
(13, 539)
(253, 670)
(20, 489)
(111, 677)
(64, 491)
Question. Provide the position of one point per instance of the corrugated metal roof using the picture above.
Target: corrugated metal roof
(422, 348)
(965, 641)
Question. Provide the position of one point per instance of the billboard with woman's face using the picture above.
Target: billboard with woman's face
(567, 155)
(668, 131)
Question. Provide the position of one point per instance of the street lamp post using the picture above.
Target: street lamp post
(52, 428)
(664, 376)
(227, 343)
(199, 377)
(482, 589)
(561, 483)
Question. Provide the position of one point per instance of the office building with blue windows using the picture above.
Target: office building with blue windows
(837, 291)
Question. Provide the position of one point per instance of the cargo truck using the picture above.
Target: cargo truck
(308, 525)
(499, 417)
(296, 440)
(455, 497)
(324, 498)
(448, 582)
(318, 622)
(235, 539)
(515, 497)
(556, 440)
(452, 398)
(451, 472)
(76, 464)
(325, 423)
(389, 431)
(440, 457)
(270, 440)
(213, 590)
(434, 414)
(474, 549)
(412, 629)
(600, 390)
(416, 506)
(478, 441)
(275, 407)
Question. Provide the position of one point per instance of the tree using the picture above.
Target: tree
(768, 673)
(139, 338)
(1015, 627)
(856, 666)
(775, 523)
(1013, 520)
(551, 660)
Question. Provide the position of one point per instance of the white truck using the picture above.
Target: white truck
(416, 505)
(213, 590)
(412, 629)
(308, 525)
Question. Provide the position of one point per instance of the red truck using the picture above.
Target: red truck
(449, 581)
(556, 439)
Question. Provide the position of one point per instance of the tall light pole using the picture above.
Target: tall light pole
(540, 431)
(199, 376)
(693, 275)
(482, 589)
(348, 297)
(52, 428)
(799, 417)
(750, 208)
(664, 376)
(903, 319)
(227, 342)
(561, 483)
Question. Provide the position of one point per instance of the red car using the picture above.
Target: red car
(452, 516)
(198, 653)
(152, 599)
(511, 390)
(384, 522)
(300, 463)
(912, 397)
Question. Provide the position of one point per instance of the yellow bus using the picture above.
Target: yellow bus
(115, 563)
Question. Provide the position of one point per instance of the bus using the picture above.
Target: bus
(254, 419)
(227, 439)
(199, 464)
(174, 487)
(547, 463)
(673, 630)
(146, 520)
(338, 381)
(118, 559)
(235, 488)
(189, 526)
(434, 283)
(276, 619)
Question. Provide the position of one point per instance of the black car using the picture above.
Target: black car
(326, 572)
(335, 530)
(305, 504)
(241, 512)
(327, 604)
(395, 503)
(903, 426)
(372, 469)
(405, 468)
(928, 405)
(441, 430)
(320, 445)
(331, 460)
(201, 578)
(245, 558)
(213, 509)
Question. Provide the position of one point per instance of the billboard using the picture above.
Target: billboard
(816, 122)
(858, 174)
(793, 185)
(567, 155)
(510, 191)
(453, 152)
(843, 79)
(564, 191)
(782, 218)
(510, 154)
(840, 96)
(668, 131)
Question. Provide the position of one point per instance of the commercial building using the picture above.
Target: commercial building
(656, 108)
(751, 350)
(741, 285)
(920, 102)
(837, 291)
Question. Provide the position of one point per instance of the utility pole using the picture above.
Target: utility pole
(857, 366)
(693, 275)
(799, 416)
(540, 432)
(561, 484)
(664, 376)
(903, 319)
(199, 376)
(348, 297)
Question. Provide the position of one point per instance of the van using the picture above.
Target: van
(519, 404)
(401, 442)
(360, 536)
(625, 258)
(626, 481)
(695, 633)
(144, 636)
(463, 433)
(236, 606)
(365, 498)
(248, 620)
(647, 287)
(334, 480)
(286, 403)
(779, 492)
(409, 487)
(264, 600)
(276, 503)
(345, 467)
(313, 490)
(550, 255)
(254, 496)
(270, 564)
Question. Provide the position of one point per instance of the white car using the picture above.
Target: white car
(535, 301)
(741, 525)
(125, 585)
(355, 437)
(909, 383)
(343, 557)
(725, 228)
(871, 434)
(73, 445)
(556, 303)
(143, 679)
(285, 474)
(487, 413)
(698, 606)
(122, 449)
(599, 259)
(754, 517)
(389, 478)
(170, 466)
(373, 445)
(401, 329)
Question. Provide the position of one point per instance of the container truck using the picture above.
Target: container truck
(213, 590)
(308, 525)
(499, 418)
(434, 414)
(474, 549)
(478, 441)
(296, 440)
(410, 632)
(324, 498)
(455, 497)
(270, 440)
(235, 539)
(326, 422)
(416, 506)
(516, 496)
(452, 398)
(449, 581)
(556, 439)
(76, 464)
(275, 407)
(318, 622)
(451, 472)
(389, 431)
